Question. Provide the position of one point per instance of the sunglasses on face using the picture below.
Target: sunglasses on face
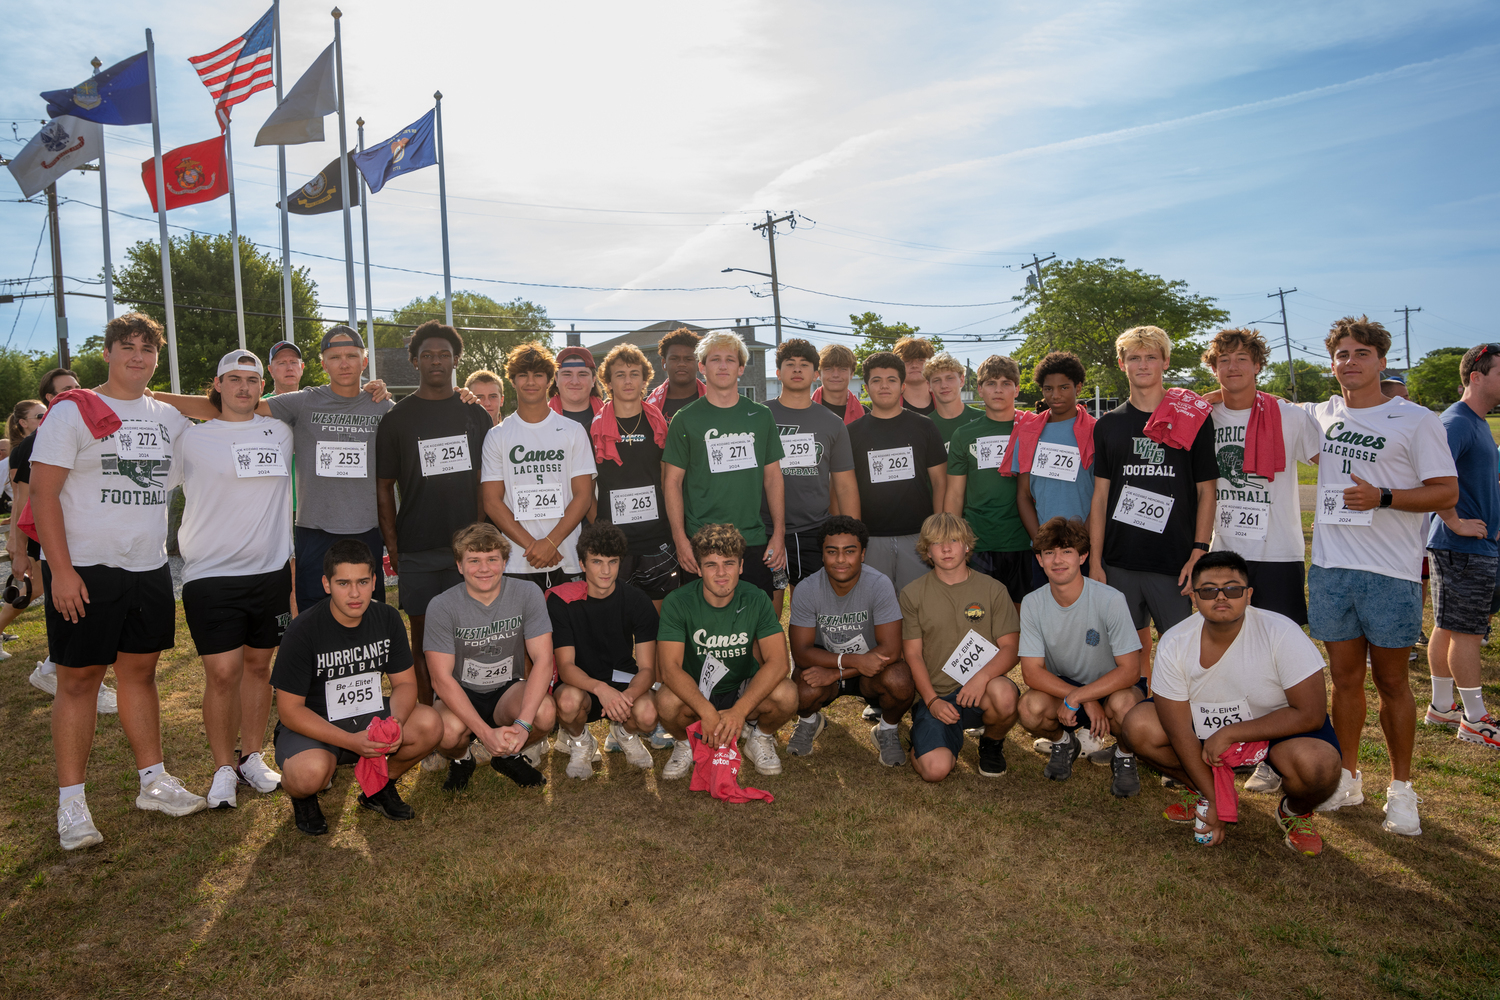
(1233, 591)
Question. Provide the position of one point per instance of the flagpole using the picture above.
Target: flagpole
(161, 217)
(443, 212)
(288, 331)
(338, 57)
(364, 229)
(109, 267)
(234, 236)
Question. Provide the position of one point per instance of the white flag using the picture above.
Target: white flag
(299, 117)
(63, 144)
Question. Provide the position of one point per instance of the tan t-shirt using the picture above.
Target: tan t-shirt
(941, 615)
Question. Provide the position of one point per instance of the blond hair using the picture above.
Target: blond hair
(943, 527)
(913, 349)
(482, 375)
(836, 356)
(479, 538)
(1148, 337)
(941, 362)
(718, 540)
(717, 339)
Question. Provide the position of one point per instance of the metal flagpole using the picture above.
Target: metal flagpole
(338, 55)
(364, 229)
(443, 213)
(161, 218)
(288, 331)
(109, 267)
(234, 236)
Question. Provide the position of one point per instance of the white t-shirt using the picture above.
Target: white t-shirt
(537, 463)
(114, 501)
(1397, 445)
(1256, 517)
(238, 485)
(1270, 654)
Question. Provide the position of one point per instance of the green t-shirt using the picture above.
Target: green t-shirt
(728, 634)
(739, 441)
(989, 498)
(947, 426)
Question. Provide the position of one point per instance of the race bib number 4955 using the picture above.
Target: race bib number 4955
(346, 697)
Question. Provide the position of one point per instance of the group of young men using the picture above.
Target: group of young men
(625, 556)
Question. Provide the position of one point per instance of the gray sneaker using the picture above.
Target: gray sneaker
(801, 743)
(1127, 777)
(889, 743)
(1060, 760)
(1264, 781)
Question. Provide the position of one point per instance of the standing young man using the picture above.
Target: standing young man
(979, 493)
(914, 353)
(429, 445)
(1052, 453)
(284, 365)
(237, 581)
(1464, 556)
(489, 392)
(944, 375)
(1384, 463)
(678, 352)
(900, 464)
(722, 461)
(1152, 514)
(575, 390)
(835, 370)
(100, 474)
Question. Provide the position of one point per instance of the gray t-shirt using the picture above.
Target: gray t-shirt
(807, 486)
(487, 642)
(333, 438)
(846, 624)
(1080, 642)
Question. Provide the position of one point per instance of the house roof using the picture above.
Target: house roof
(649, 336)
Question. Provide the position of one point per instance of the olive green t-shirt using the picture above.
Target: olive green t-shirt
(989, 498)
(947, 425)
(738, 441)
(941, 615)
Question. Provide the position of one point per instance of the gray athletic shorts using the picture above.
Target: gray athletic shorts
(424, 575)
(1150, 597)
(896, 557)
(1462, 585)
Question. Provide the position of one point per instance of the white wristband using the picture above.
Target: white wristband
(841, 663)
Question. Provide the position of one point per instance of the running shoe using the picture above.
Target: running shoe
(387, 802)
(1184, 809)
(635, 751)
(434, 762)
(1401, 810)
(459, 773)
(221, 791)
(760, 750)
(1061, 757)
(44, 679)
(612, 745)
(308, 816)
(585, 750)
(1351, 792)
(167, 795)
(255, 772)
(991, 757)
(518, 769)
(1126, 781)
(871, 712)
(680, 764)
(1264, 781)
(561, 742)
(1422, 639)
(1485, 732)
(107, 703)
(75, 825)
(1297, 831)
(534, 754)
(889, 743)
(1444, 717)
(660, 738)
(801, 743)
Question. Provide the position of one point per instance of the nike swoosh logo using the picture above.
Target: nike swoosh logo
(1394, 416)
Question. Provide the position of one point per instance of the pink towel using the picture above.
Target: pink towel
(574, 590)
(605, 432)
(853, 408)
(716, 771)
(372, 773)
(1226, 796)
(1175, 422)
(1027, 432)
(658, 396)
(1265, 451)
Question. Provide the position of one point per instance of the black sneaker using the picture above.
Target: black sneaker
(459, 773)
(387, 803)
(1127, 777)
(309, 816)
(991, 757)
(519, 770)
(1060, 760)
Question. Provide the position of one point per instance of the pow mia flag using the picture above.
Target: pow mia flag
(322, 194)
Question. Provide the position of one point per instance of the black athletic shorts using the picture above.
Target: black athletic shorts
(126, 613)
(484, 702)
(656, 573)
(803, 556)
(1012, 569)
(725, 699)
(547, 579)
(226, 612)
(422, 576)
(596, 707)
(1280, 587)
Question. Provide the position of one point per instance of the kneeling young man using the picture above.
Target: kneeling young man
(327, 681)
(846, 639)
(1239, 674)
(480, 637)
(1080, 657)
(604, 639)
(722, 658)
(960, 633)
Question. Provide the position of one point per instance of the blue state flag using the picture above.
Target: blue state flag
(410, 149)
(121, 95)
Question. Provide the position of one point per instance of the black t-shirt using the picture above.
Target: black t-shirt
(317, 651)
(838, 408)
(417, 437)
(1126, 457)
(20, 458)
(906, 445)
(924, 410)
(603, 633)
(584, 417)
(641, 456)
(670, 406)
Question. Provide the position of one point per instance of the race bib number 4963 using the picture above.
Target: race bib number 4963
(1143, 509)
(1210, 717)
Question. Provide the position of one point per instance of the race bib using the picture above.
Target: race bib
(140, 441)
(801, 451)
(1056, 461)
(441, 456)
(538, 503)
(892, 465)
(342, 460)
(346, 697)
(987, 450)
(713, 672)
(251, 461)
(970, 657)
(633, 506)
(851, 646)
(1331, 509)
(1243, 521)
(1143, 509)
(1210, 717)
(732, 453)
(487, 676)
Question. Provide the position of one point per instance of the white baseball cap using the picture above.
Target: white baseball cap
(240, 361)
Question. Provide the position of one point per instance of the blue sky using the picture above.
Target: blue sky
(1346, 149)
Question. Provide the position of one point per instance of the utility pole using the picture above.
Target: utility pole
(1036, 279)
(769, 226)
(1291, 368)
(1407, 311)
(57, 278)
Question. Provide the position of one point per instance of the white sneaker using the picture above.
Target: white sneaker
(1401, 810)
(75, 826)
(680, 764)
(44, 678)
(167, 795)
(612, 745)
(221, 792)
(256, 773)
(581, 758)
(1042, 745)
(561, 742)
(107, 704)
(1265, 780)
(635, 751)
(760, 750)
(435, 762)
(1087, 742)
(3, 654)
(535, 753)
(1351, 792)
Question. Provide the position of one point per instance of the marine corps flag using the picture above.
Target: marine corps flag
(193, 174)
(321, 194)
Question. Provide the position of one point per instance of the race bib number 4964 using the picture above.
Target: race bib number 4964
(973, 652)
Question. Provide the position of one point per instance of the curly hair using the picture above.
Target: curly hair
(1062, 533)
(1237, 339)
(682, 337)
(626, 354)
(602, 539)
(529, 358)
(796, 347)
(944, 527)
(133, 324)
(1060, 363)
(942, 362)
(1364, 330)
(430, 329)
(843, 524)
(718, 540)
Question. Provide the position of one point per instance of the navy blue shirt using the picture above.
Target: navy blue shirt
(1475, 456)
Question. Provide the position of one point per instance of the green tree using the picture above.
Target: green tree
(1083, 305)
(489, 328)
(203, 279)
(877, 335)
(19, 374)
(1315, 383)
(1433, 381)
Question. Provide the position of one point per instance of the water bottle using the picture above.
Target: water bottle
(1201, 833)
(779, 579)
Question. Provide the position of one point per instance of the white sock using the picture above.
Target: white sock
(1120, 752)
(769, 736)
(1473, 703)
(150, 774)
(66, 792)
(48, 667)
(811, 720)
(1400, 786)
(1352, 776)
(885, 725)
(1442, 692)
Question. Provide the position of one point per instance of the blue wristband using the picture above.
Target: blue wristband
(1071, 708)
(524, 725)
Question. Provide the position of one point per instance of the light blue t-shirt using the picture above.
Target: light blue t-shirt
(1079, 642)
(1056, 497)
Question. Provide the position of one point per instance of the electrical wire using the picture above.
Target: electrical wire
(34, 256)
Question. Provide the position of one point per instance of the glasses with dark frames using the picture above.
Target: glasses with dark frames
(1233, 591)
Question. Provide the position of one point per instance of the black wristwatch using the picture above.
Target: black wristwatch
(1386, 497)
(1201, 546)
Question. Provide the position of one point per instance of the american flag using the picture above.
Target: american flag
(239, 68)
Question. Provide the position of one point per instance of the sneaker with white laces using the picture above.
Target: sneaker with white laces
(1485, 732)
(760, 750)
(1351, 792)
(1401, 810)
(1448, 717)
(75, 826)
(1264, 781)
(44, 678)
(255, 772)
(801, 743)
(635, 751)
(534, 754)
(435, 762)
(221, 792)
(680, 764)
(167, 795)
(107, 704)
(888, 742)
(585, 749)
